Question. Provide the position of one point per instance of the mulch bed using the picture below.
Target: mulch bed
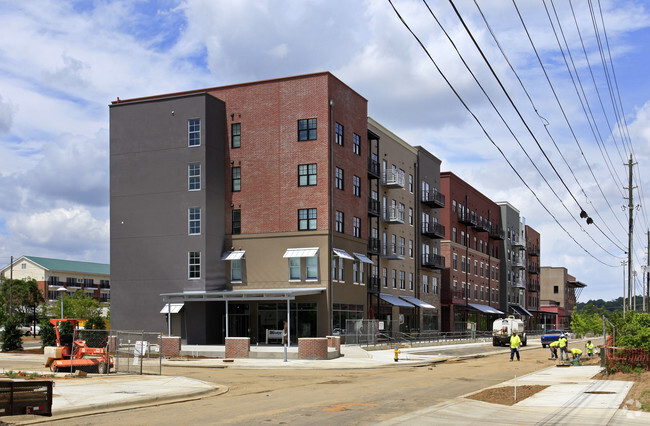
(506, 395)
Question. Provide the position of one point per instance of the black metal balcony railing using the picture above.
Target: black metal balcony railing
(433, 198)
(465, 217)
(496, 233)
(482, 225)
(517, 242)
(533, 287)
(433, 230)
(394, 251)
(373, 169)
(532, 250)
(374, 207)
(373, 284)
(532, 268)
(433, 261)
(374, 245)
(104, 286)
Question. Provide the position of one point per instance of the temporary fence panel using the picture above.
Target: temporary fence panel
(620, 359)
(136, 352)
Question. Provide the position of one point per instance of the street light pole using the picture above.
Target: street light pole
(61, 291)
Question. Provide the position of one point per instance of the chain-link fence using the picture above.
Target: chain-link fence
(362, 332)
(136, 352)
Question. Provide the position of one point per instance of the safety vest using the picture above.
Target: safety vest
(514, 341)
(554, 344)
(590, 347)
(562, 342)
(575, 351)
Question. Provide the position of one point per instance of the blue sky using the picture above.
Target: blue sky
(62, 63)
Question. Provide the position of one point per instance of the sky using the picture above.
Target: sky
(550, 134)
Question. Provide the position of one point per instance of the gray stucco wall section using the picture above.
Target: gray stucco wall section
(149, 157)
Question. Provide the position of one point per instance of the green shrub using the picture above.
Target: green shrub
(11, 335)
(48, 335)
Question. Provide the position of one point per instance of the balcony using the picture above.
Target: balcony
(373, 169)
(518, 262)
(394, 215)
(374, 246)
(532, 250)
(433, 230)
(496, 233)
(394, 252)
(533, 287)
(517, 242)
(433, 261)
(519, 283)
(373, 284)
(532, 268)
(465, 217)
(433, 198)
(393, 179)
(374, 207)
(482, 225)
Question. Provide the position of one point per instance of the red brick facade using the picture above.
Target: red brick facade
(238, 347)
(312, 348)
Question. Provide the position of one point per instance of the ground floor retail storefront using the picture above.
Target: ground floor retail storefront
(209, 317)
(457, 317)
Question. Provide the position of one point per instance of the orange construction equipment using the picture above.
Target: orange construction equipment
(69, 355)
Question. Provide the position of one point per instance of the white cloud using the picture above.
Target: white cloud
(6, 116)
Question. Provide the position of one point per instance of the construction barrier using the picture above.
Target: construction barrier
(621, 359)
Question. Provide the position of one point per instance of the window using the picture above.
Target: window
(434, 284)
(455, 262)
(475, 267)
(294, 269)
(339, 178)
(307, 174)
(462, 237)
(194, 220)
(235, 135)
(402, 280)
(339, 221)
(194, 132)
(402, 245)
(475, 246)
(338, 128)
(356, 186)
(394, 278)
(362, 277)
(235, 270)
(410, 215)
(236, 221)
(334, 270)
(384, 276)
(425, 284)
(411, 184)
(306, 219)
(355, 272)
(236, 179)
(556, 289)
(476, 291)
(194, 265)
(453, 234)
(482, 293)
(356, 227)
(453, 206)
(312, 267)
(194, 176)
(356, 144)
(482, 270)
(411, 248)
(463, 266)
(341, 275)
(411, 281)
(307, 129)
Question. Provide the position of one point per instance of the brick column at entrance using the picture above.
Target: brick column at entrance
(312, 348)
(238, 347)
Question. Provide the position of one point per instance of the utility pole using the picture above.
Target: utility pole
(630, 206)
(11, 283)
(623, 263)
(647, 277)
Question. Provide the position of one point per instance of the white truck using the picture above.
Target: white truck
(503, 328)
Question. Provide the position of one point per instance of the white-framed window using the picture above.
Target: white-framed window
(411, 248)
(425, 284)
(311, 268)
(294, 269)
(476, 267)
(335, 271)
(356, 144)
(411, 281)
(194, 220)
(384, 276)
(394, 277)
(356, 227)
(236, 270)
(410, 215)
(463, 265)
(341, 272)
(355, 272)
(455, 261)
(402, 280)
(434, 284)
(194, 132)
(194, 265)
(194, 176)
(362, 275)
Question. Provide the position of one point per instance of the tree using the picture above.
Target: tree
(77, 306)
(634, 331)
(583, 323)
(95, 323)
(11, 335)
(48, 335)
(25, 297)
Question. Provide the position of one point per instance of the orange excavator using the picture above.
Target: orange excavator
(69, 355)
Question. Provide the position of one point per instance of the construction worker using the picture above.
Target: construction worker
(553, 346)
(515, 342)
(396, 353)
(576, 353)
(590, 348)
(562, 343)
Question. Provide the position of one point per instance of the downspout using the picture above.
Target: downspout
(330, 255)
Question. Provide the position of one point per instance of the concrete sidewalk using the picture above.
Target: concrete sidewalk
(572, 396)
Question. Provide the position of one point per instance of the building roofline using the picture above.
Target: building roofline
(373, 122)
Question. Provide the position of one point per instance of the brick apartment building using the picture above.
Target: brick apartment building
(233, 208)
(57, 275)
(471, 283)
(532, 276)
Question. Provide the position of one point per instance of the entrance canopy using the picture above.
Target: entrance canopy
(393, 300)
(172, 308)
(241, 295)
(417, 302)
(521, 310)
(234, 255)
(485, 308)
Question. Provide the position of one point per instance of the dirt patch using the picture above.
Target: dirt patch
(27, 351)
(638, 398)
(506, 395)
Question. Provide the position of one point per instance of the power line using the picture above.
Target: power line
(488, 135)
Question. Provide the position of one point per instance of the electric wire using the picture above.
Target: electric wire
(496, 77)
(490, 138)
(545, 123)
